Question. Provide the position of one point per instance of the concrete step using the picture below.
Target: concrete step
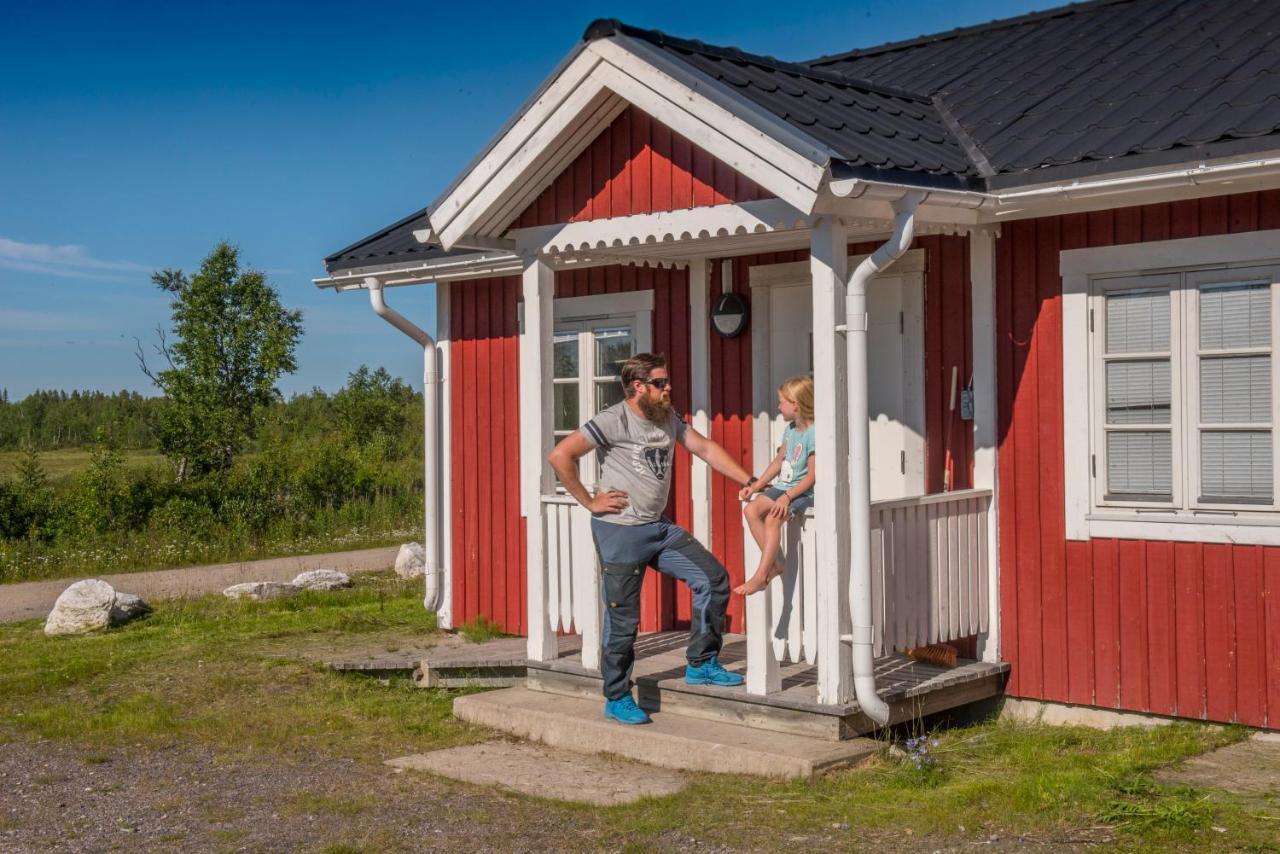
(671, 741)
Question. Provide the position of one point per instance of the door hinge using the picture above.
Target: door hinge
(902, 461)
(1093, 465)
(902, 323)
(1090, 320)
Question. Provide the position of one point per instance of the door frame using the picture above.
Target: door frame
(910, 268)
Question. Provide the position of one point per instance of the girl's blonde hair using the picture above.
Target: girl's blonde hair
(799, 390)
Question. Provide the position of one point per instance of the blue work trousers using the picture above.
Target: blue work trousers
(625, 552)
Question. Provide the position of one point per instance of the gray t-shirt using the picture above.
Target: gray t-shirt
(635, 457)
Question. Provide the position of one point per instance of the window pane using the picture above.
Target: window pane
(565, 358)
(613, 347)
(1138, 322)
(566, 406)
(1234, 316)
(1235, 467)
(1235, 389)
(1138, 392)
(608, 393)
(1139, 464)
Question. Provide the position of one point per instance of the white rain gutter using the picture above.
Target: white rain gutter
(855, 307)
(430, 441)
(1002, 202)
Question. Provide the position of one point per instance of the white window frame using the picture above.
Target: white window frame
(1182, 266)
(581, 314)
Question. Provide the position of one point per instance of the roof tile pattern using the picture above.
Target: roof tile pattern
(1095, 81)
(391, 245)
(863, 124)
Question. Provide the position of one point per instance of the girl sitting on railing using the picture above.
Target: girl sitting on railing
(791, 492)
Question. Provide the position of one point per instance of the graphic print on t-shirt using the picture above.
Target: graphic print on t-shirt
(658, 460)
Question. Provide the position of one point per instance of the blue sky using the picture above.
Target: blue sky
(135, 136)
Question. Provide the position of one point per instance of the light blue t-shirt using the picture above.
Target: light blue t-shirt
(797, 445)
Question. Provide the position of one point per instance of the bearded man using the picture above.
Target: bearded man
(634, 442)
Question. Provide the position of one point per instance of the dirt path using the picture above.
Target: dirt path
(35, 598)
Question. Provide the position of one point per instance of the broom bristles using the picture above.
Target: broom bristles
(934, 653)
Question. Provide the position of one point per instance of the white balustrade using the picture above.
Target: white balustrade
(930, 582)
(572, 574)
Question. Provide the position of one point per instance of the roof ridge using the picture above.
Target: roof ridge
(962, 32)
(605, 27)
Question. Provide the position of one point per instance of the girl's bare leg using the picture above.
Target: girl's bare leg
(771, 564)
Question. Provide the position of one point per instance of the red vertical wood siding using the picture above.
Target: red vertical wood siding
(488, 531)
(1182, 629)
(637, 165)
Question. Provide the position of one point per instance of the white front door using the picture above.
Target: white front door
(782, 344)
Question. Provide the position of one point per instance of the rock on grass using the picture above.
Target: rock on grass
(82, 608)
(410, 560)
(128, 608)
(260, 591)
(322, 579)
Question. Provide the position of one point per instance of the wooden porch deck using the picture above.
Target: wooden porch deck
(910, 688)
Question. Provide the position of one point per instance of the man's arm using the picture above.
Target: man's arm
(715, 456)
(564, 460)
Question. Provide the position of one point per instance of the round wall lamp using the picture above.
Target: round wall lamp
(730, 315)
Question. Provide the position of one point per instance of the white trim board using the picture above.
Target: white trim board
(588, 94)
(1078, 268)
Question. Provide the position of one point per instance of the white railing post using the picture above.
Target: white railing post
(828, 263)
(763, 675)
(982, 278)
(700, 393)
(535, 444)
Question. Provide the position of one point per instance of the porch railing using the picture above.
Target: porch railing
(930, 578)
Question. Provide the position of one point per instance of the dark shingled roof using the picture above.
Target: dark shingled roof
(880, 128)
(1079, 90)
(1107, 85)
(393, 244)
(1102, 86)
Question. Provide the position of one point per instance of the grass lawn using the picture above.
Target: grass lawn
(63, 463)
(205, 672)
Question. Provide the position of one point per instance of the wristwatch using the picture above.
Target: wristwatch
(750, 480)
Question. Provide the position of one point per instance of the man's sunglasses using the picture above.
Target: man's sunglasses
(659, 383)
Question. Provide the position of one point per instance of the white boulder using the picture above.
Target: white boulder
(83, 607)
(322, 579)
(260, 591)
(128, 608)
(410, 560)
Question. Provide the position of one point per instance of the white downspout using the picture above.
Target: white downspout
(430, 440)
(855, 307)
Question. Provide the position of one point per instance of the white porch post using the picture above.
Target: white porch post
(700, 394)
(535, 444)
(828, 263)
(763, 674)
(982, 277)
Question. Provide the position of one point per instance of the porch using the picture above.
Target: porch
(879, 566)
(911, 688)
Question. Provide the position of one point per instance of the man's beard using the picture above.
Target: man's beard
(656, 411)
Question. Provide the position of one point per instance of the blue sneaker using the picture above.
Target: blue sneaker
(710, 672)
(625, 711)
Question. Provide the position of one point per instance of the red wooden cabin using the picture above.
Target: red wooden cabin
(1071, 387)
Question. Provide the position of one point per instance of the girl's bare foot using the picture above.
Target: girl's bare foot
(760, 580)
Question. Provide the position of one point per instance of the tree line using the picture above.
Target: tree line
(247, 473)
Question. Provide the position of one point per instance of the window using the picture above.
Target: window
(593, 336)
(1177, 366)
(588, 357)
(1185, 402)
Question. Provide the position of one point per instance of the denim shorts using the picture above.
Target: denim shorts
(798, 505)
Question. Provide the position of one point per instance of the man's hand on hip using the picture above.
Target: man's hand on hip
(608, 502)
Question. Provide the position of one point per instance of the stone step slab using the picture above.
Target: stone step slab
(672, 741)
